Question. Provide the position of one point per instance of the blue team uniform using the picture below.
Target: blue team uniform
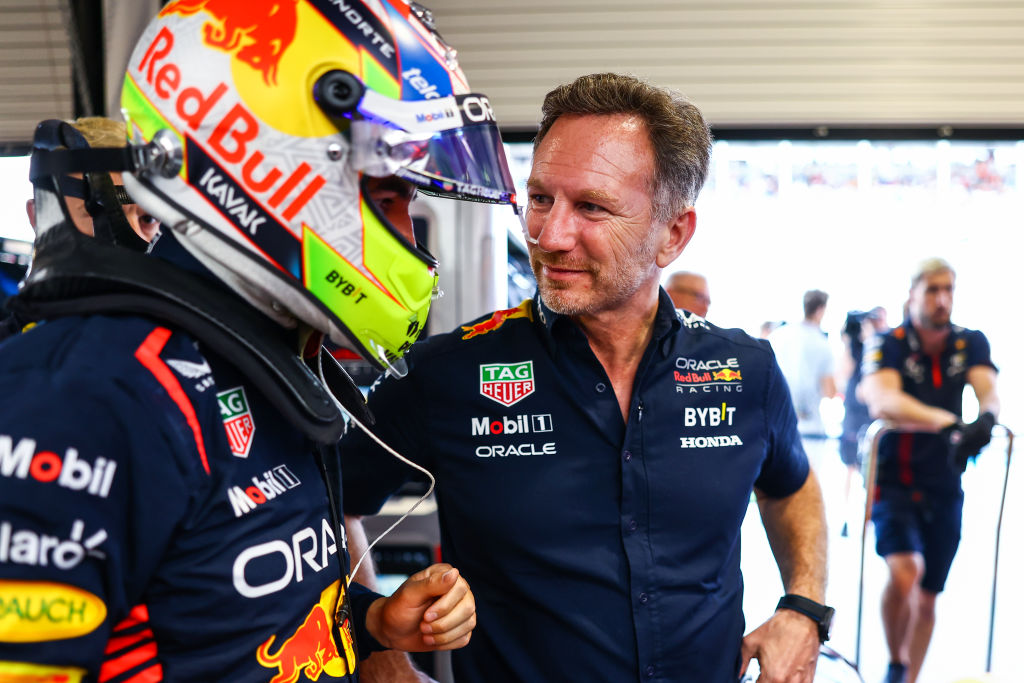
(597, 550)
(159, 520)
(919, 500)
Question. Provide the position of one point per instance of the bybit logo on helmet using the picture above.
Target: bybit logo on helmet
(228, 140)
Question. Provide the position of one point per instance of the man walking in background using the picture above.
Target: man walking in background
(916, 374)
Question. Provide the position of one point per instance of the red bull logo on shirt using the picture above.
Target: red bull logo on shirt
(256, 32)
(507, 383)
(311, 649)
(498, 319)
(238, 424)
(694, 375)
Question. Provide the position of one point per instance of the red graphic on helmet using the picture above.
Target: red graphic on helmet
(257, 31)
(497, 319)
(310, 649)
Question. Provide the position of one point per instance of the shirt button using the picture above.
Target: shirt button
(633, 526)
(627, 456)
(600, 386)
(649, 671)
(643, 598)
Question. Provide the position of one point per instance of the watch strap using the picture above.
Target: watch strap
(821, 614)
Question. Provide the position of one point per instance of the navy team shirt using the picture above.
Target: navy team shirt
(159, 521)
(597, 550)
(917, 461)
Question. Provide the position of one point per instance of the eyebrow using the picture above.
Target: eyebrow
(585, 195)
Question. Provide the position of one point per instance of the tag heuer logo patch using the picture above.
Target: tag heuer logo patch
(507, 383)
(238, 424)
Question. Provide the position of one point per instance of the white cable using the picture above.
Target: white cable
(392, 451)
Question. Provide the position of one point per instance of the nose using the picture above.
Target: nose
(553, 229)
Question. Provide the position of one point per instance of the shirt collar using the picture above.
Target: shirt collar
(667, 321)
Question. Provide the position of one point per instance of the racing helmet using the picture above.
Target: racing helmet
(260, 124)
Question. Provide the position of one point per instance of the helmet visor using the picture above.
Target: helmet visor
(447, 146)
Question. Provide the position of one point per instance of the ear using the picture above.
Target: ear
(30, 209)
(680, 230)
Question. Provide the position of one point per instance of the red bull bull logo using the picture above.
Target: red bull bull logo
(498, 319)
(727, 375)
(257, 32)
(311, 650)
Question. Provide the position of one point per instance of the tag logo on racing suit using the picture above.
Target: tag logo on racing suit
(507, 383)
(36, 611)
(311, 649)
(234, 411)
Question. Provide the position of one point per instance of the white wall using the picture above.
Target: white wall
(754, 63)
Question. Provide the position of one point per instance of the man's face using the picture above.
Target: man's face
(590, 213)
(690, 292)
(392, 196)
(144, 225)
(931, 300)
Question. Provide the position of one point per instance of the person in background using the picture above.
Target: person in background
(689, 291)
(807, 363)
(595, 448)
(81, 192)
(859, 328)
(915, 375)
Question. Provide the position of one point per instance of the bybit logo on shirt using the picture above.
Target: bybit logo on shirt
(516, 424)
(708, 417)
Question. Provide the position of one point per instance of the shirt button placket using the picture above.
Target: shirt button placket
(649, 671)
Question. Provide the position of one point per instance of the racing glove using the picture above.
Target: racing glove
(967, 440)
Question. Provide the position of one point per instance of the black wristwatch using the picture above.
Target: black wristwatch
(821, 614)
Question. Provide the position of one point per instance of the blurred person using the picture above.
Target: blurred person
(806, 361)
(689, 291)
(86, 196)
(168, 429)
(859, 328)
(915, 375)
(80, 191)
(767, 327)
(601, 532)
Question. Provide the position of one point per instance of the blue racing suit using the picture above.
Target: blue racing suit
(159, 520)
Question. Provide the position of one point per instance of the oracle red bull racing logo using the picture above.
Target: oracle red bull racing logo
(694, 376)
(311, 649)
(507, 383)
(257, 32)
(497, 319)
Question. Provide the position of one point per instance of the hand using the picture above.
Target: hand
(786, 646)
(433, 610)
(966, 441)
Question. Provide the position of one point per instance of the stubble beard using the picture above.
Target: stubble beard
(610, 287)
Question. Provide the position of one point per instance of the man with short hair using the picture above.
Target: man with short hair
(595, 449)
(915, 374)
(807, 363)
(689, 291)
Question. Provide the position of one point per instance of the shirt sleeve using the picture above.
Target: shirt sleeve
(361, 597)
(369, 474)
(979, 351)
(881, 352)
(785, 467)
(95, 482)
